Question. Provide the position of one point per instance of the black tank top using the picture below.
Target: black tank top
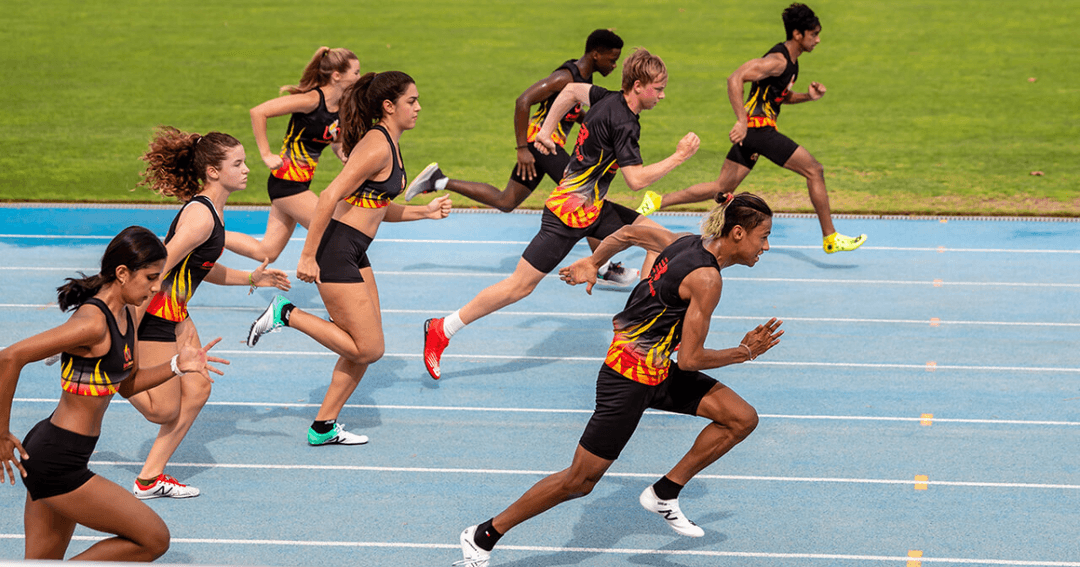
(179, 284)
(101, 376)
(766, 95)
(650, 326)
(378, 194)
(536, 121)
(308, 135)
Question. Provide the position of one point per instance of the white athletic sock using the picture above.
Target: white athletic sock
(452, 324)
(441, 183)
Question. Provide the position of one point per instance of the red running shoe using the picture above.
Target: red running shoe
(435, 342)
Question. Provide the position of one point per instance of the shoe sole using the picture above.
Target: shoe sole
(433, 375)
(409, 194)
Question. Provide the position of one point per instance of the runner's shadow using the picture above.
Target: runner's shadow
(609, 519)
(805, 258)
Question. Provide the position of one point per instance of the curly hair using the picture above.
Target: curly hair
(176, 161)
(799, 17)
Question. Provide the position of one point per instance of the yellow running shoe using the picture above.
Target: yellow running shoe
(837, 242)
(650, 203)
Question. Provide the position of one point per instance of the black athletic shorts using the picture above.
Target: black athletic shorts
(555, 240)
(154, 329)
(762, 141)
(553, 166)
(620, 403)
(278, 188)
(58, 458)
(342, 252)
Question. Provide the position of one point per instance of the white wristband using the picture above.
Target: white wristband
(175, 368)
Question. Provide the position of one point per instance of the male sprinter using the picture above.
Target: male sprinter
(669, 310)
(755, 134)
(607, 142)
(602, 51)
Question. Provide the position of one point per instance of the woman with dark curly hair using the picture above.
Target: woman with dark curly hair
(201, 172)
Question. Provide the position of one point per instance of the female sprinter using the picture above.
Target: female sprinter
(200, 171)
(100, 357)
(313, 105)
(374, 113)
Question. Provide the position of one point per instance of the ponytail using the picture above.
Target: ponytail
(361, 104)
(321, 68)
(745, 209)
(176, 161)
(135, 247)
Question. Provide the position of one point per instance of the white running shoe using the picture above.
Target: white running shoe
(336, 436)
(425, 182)
(671, 513)
(269, 321)
(614, 274)
(474, 555)
(164, 486)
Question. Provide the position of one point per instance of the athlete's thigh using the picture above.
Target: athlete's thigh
(732, 175)
(294, 209)
(802, 162)
(354, 308)
(723, 405)
(103, 505)
(47, 531)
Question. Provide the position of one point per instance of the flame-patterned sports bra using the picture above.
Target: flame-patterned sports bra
(101, 376)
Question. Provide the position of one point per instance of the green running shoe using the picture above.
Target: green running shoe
(650, 204)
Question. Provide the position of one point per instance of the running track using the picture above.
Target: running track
(922, 409)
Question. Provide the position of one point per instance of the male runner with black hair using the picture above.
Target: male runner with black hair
(602, 51)
(755, 134)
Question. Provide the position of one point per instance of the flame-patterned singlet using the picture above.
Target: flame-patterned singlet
(536, 121)
(378, 194)
(101, 376)
(607, 140)
(179, 284)
(308, 135)
(650, 326)
(766, 96)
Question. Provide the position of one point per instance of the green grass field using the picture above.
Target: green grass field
(931, 107)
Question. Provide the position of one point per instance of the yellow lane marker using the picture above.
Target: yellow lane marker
(931, 366)
(934, 321)
(921, 481)
(938, 283)
(926, 419)
(915, 555)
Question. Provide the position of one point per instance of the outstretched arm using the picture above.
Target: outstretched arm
(638, 177)
(438, 208)
(817, 90)
(651, 238)
(703, 287)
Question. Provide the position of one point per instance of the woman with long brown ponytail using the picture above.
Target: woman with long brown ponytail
(313, 126)
(201, 172)
(374, 114)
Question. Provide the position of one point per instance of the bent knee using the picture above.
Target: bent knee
(367, 353)
(745, 422)
(157, 543)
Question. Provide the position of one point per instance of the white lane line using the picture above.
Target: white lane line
(874, 366)
(515, 472)
(607, 316)
(590, 550)
(383, 407)
(414, 274)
